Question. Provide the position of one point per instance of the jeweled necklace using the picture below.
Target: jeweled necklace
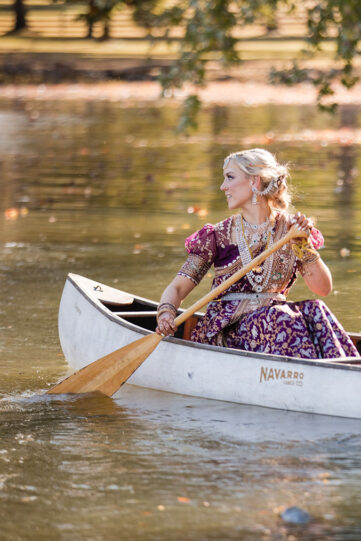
(258, 277)
(256, 233)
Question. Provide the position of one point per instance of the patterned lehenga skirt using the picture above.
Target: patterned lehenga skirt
(305, 329)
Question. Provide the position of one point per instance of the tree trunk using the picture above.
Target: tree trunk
(90, 30)
(20, 15)
(106, 30)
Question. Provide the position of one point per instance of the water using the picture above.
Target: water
(110, 192)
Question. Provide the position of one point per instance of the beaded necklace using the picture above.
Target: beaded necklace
(258, 277)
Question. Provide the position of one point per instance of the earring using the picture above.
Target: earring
(266, 191)
(254, 196)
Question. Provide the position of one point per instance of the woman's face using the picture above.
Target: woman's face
(236, 186)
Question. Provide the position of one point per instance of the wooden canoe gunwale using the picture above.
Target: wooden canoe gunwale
(101, 307)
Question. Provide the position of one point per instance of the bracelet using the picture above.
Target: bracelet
(166, 307)
(310, 257)
(305, 268)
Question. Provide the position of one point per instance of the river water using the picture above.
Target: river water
(110, 191)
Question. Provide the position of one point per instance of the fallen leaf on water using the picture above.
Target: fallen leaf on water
(344, 252)
(27, 499)
(183, 499)
(324, 475)
(11, 214)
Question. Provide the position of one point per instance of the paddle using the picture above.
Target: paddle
(108, 373)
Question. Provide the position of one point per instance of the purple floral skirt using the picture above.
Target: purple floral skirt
(306, 329)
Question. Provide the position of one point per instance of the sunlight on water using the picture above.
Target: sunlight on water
(110, 193)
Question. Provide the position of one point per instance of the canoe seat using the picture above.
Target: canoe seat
(356, 339)
(189, 325)
(184, 331)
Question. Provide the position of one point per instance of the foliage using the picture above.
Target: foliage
(338, 20)
(19, 9)
(210, 29)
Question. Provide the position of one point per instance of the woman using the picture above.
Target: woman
(253, 313)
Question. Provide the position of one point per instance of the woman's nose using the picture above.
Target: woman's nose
(222, 186)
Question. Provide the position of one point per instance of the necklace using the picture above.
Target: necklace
(263, 234)
(258, 277)
(256, 233)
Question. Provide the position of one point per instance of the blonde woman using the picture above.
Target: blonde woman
(254, 314)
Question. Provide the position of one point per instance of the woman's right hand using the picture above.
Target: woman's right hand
(166, 325)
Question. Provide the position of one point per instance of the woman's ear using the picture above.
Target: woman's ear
(256, 181)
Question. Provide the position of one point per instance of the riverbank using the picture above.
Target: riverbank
(127, 70)
(217, 92)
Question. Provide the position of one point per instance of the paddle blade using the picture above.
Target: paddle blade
(109, 373)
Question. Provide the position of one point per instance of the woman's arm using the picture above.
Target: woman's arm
(318, 278)
(173, 295)
(316, 274)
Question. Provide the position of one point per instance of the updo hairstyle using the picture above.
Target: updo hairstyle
(260, 162)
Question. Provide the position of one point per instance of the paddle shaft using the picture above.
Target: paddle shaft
(292, 234)
(108, 373)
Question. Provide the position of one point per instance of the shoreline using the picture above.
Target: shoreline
(229, 92)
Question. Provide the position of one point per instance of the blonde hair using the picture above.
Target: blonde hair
(260, 162)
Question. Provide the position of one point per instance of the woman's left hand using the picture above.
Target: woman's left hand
(302, 221)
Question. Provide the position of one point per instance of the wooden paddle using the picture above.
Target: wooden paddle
(108, 373)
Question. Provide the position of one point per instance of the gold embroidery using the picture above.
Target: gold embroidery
(195, 268)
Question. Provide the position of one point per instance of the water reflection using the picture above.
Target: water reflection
(110, 192)
(155, 465)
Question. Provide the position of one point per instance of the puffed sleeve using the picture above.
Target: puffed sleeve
(201, 248)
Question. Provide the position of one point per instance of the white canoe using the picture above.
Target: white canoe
(95, 320)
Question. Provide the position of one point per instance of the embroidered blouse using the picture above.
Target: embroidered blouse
(216, 245)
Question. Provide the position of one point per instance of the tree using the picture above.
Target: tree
(20, 16)
(210, 30)
(102, 11)
(97, 11)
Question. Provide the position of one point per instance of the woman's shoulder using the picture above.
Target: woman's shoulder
(206, 239)
(224, 226)
(213, 229)
(202, 241)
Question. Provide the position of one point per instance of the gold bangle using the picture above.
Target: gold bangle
(166, 307)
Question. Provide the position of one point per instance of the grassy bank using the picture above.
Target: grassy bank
(34, 59)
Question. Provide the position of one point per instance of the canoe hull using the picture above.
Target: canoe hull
(88, 331)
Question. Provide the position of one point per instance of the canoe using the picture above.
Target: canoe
(95, 319)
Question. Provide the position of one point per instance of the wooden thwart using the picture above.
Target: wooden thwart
(108, 373)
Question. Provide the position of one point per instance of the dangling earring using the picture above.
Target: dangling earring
(266, 191)
(254, 196)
